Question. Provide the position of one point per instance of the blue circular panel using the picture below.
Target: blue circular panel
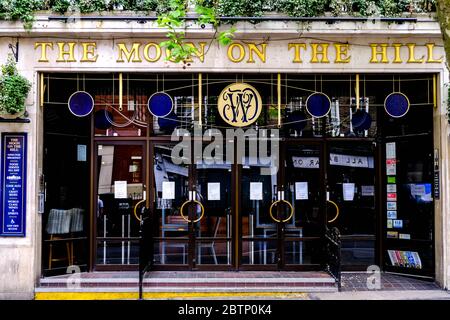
(168, 123)
(101, 119)
(318, 105)
(81, 103)
(296, 120)
(160, 104)
(361, 120)
(396, 105)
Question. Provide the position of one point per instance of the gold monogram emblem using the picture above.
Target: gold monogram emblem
(239, 104)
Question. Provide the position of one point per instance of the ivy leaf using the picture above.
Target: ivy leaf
(167, 44)
(226, 37)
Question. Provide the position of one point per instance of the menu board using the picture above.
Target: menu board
(13, 184)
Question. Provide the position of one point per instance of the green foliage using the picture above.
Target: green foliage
(240, 8)
(88, 6)
(365, 8)
(226, 37)
(144, 5)
(60, 6)
(206, 15)
(14, 88)
(22, 10)
(447, 88)
(301, 8)
(171, 20)
(210, 10)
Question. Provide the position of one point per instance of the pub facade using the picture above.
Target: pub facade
(244, 156)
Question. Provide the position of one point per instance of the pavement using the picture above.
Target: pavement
(436, 294)
(363, 286)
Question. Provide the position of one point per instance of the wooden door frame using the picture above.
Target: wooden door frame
(378, 204)
(192, 241)
(148, 144)
(116, 142)
(281, 265)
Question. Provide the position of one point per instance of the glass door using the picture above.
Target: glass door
(171, 186)
(120, 186)
(212, 177)
(411, 184)
(281, 209)
(192, 203)
(351, 179)
(303, 186)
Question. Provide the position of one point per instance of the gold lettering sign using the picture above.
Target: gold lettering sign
(239, 104)
(244, 53)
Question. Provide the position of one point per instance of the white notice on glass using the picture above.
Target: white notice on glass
(419, 190)
(390, 150)
(367, 191)
(213, 190)
(348, 190)
(256, 190)
(168, 190)
(391, 188)
(81, 152)
(120, 189)
(301, 191)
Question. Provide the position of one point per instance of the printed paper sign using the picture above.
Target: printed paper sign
(301, 191)
(404, 236)
(81, 152)
(120, 190)
(168, 190)
(391, 179)
(391, 188)
(348, 190)
(213, 191)
(391, 167)
(391, 214)
(392, 234)
(389, 224)
(350, 161)
(390, 150)
(367, 191)
(256, 191)
(392, 205)
(418, 190)
(391, 197)
(306, 162)
(398, 224)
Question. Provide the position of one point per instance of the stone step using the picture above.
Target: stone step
(193, 282)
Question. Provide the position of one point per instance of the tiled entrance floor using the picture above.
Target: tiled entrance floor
(358, 282)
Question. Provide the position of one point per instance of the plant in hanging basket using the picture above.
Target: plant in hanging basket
(14, 89)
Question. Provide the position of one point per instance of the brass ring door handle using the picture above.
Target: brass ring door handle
(290, 215)
(135, 208)
(337, 211)
(197, 202)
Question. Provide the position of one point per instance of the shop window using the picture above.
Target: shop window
(65, 179)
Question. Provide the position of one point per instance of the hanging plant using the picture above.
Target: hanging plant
(14, 89)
